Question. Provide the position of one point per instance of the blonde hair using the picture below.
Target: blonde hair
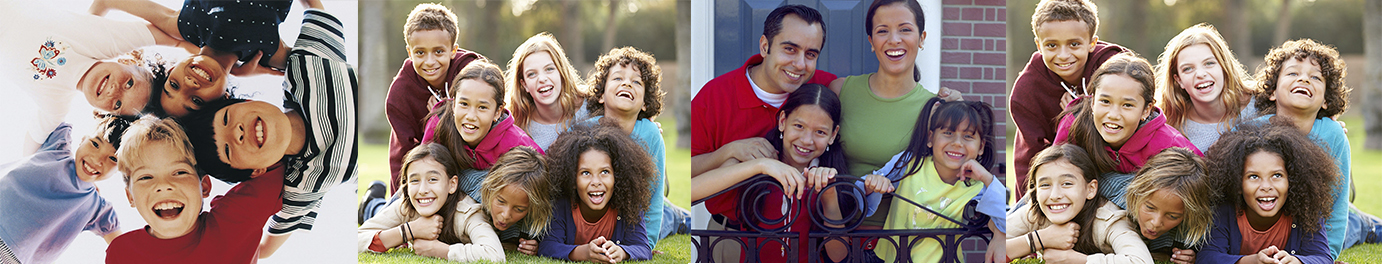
(521, 104)
(524, 167)
(1181, 172)
(430, 16)
(143, 133)
(1176, 102)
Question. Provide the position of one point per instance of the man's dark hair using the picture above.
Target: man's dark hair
(773, 25)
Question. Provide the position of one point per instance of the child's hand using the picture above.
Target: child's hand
(1269, 255)
(616, 253)
(818, 177)
(949, 95)
(99, 7)
(425, 228)
(874, 183)
(430, 248)
(527, 246)
(598, 253)
(1061, 236)
(792, 181)
(973, 170)
(1053, 256)
(252, 68)
(748, 149)
(1182, 256)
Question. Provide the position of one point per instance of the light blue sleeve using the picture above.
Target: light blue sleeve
(872, 200)
(1330, 135)
(105, 221)
(648, 135)
(993, 201)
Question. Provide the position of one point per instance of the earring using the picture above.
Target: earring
(827, 148)
(779, 136)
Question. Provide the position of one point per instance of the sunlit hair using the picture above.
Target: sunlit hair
(1175, 101)
(1182, 173)
(146, 131)
(1311, 173)
(441, 155)
(1076, 156)
(524, 168)
(648, 73)
(1083, 130)
(632, 167)
(430, 16)
(571, 95)
(1324, 56)
(1067, 10)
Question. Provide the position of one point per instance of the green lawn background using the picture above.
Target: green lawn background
(374, 165)
(1367, 178)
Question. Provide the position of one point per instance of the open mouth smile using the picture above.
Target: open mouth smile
(168, 210)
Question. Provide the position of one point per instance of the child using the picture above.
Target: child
(1303, 83)
(1117, 123)
(474, 123)
(1065, 220)
(315, 139)
(1275, 197)
(70, 55)
(226, 32)
(628, 91)
(434, 59)
(544, 91)
(51, 196)
(1201, 86)
(434, 214)
(601, 177)
(517, 194)
(164, 185)
(1068, 53)
(1170, 204)
(808, 120)
(952, 148)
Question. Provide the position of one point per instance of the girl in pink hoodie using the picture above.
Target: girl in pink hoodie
(1117, 123)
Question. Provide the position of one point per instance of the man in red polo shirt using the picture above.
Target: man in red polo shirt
(733, 112)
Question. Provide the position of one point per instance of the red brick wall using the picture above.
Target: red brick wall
(974, 62)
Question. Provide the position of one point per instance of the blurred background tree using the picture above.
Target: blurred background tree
(494, 29)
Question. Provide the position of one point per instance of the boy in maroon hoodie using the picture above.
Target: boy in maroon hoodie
(433, 60)
(1068, 51)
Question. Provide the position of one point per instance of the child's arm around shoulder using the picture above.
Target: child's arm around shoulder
(252, 200)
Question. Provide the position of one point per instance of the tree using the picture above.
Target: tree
(1372, 113)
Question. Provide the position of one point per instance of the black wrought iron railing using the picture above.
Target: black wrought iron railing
(756, 190)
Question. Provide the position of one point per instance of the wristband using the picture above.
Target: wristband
(1038, 236)
(1031, 243)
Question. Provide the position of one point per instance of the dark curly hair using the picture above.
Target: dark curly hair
(160, 78)
(202, 133)
(1335, 92)
(1084, 131)
(633, 169)
(1311, 184)
(648, 71)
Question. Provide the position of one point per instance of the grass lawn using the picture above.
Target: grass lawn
(374, 165)
(1367, 178)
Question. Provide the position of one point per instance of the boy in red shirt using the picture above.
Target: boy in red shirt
(1068, 50)
(163, 184)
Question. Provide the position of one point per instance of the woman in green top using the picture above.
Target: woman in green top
(880, 108)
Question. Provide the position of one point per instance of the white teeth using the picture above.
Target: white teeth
(259, 131)
(895, 53)
(1204, 85)
(200, 72)
(1058, 207)
(799, 149)
(470, 126)
(1267, 199)
(544, 89)
(1062, 65)
(426, 200)
(1112, 126)
(793, 75)
(624, 94)
(167, 205)
(89, 169)
(1301, 90)
(596, 193)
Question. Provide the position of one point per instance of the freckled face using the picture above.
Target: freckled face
(167, 192)
(1161, 212)
(1062, 191)
(510, 204)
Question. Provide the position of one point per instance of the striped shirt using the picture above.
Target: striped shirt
(322, 87)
